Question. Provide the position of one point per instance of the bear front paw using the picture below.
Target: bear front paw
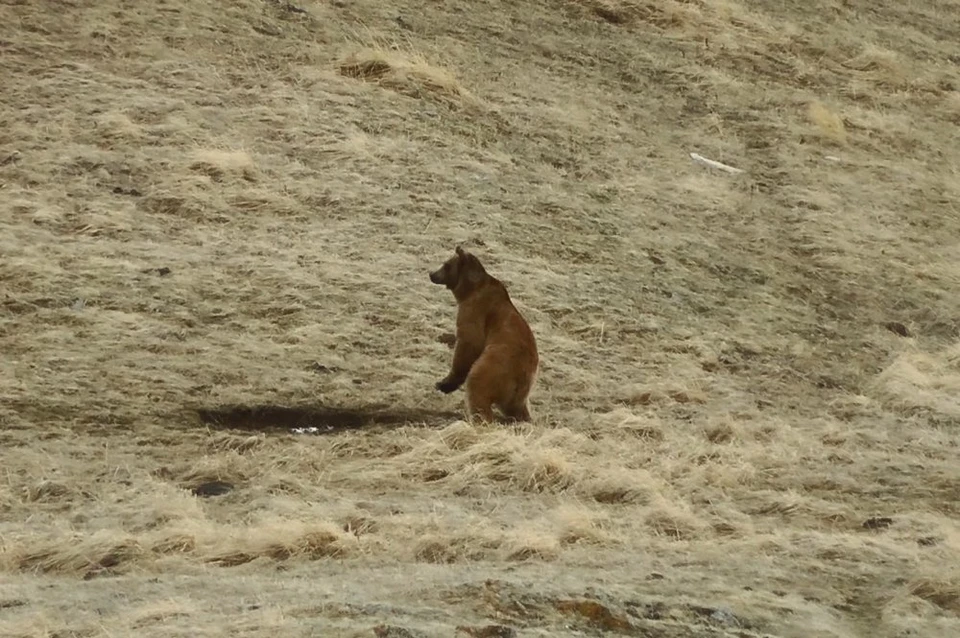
(446, 386)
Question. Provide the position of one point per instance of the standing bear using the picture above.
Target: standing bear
(495, 352)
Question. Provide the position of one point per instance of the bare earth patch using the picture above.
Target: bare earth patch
(219, 342)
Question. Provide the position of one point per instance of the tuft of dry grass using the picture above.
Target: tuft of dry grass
(881, 66)
(921, 381)
(829, 124)
(579, 524)
(283, 541)
(407, 73)
(674, 521)
(943, 594)
(666, 14)
(86, 556)
(219, 165)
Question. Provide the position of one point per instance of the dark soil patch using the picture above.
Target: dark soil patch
(212, 488)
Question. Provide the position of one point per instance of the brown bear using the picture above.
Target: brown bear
(495, 352)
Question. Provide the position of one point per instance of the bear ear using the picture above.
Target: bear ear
(459, 251)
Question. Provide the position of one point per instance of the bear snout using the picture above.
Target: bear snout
(435, 278)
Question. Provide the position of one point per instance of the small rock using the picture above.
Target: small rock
(294, 8)
(597, 614)
(320, 368)
(719, 615)
(655, 576)
(212, 488)
(163, 271)
(78, 305)
(265, 28)
(928, 541)
(12, 158)
(897, 328)
(878, 522)
(120, 190)
(650, 611)
(724, 617)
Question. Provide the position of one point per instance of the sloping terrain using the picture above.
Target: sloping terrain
(216, 224)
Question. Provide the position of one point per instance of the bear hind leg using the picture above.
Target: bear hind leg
(517, 412)
(482, 388)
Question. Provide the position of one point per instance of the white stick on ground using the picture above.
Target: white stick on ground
(714, 163)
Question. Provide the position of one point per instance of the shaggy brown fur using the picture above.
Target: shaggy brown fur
(495, 352)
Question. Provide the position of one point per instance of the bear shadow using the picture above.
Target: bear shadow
(316, 419)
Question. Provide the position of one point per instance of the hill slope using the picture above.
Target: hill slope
(216, 223)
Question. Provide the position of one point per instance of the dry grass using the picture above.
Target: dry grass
(216, 224)
(829, 123)
(407, 74)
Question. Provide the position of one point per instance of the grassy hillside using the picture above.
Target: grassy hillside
(216, 224)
